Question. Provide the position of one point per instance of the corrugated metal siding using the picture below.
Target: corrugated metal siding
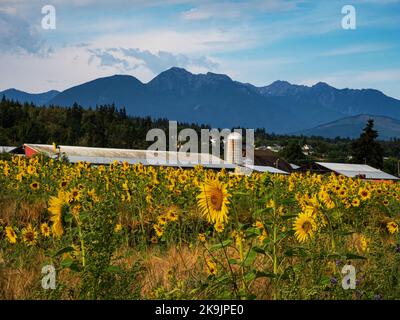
(146, 157)
(353, 170)
(6, 149)
(266, 169)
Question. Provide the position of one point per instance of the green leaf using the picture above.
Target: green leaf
(289, 216)
(259, 250)
(262, 274)
(296, 252)
(249, 276)
(345, 233)
(220, 245)
(325, 280)
(240, 193)
(114, 269)
(351, 256)
(250, 258)
(63, 250)
(67, 262)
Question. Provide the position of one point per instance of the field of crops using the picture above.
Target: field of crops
(135, 232)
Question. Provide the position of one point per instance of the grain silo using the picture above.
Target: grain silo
(234, 148)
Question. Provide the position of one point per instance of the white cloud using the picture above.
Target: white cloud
(185, 42)
(129, 59)
(364, 48)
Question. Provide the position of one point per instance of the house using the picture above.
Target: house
(307, 150)
(268, 158)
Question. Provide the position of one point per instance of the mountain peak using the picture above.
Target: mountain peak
(176, 71)
(218, 76)
(280, 83)
(322, 85)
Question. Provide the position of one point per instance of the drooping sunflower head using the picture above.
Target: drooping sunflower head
(56, 205)
(211, 267)
(360, 242)
(304, 227)
(11, 235)
(213, 201)
(29, 235)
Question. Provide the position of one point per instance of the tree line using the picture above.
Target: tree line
(108, 126)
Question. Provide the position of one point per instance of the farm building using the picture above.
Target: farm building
(145, 157)
(350, 170)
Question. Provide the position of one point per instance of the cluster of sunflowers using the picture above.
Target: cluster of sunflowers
(160, 206)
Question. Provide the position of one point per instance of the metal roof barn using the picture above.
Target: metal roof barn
(356, 170)
(6, 149)
(145, 157)
(266, 169)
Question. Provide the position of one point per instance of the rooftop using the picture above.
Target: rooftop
(353, 170)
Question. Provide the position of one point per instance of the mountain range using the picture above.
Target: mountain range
(351, 127)
(219, 101)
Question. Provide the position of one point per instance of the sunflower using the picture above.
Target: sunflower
(118, 227)
(385, 202)
(74, 195)
(45, 230)
(55, 208)
(162, 220)
(35, 185)
(29, 235)
(213, 201)
(392, 227)
(154, 240)
(31, 170)
(11, 235)
(360, 242)
(202, 237)
(219, 227)
(355, 202)
(364, 194)
(211, 268)
(64, 184)
(263, 236)
(172, 214)
(304, 226)
(159, 230)
(258, 224)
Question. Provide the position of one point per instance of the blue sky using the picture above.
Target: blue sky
(256, 41)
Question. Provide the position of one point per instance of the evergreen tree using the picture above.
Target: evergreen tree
(293, 153)
(366, 150)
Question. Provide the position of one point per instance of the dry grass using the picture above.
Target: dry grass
(179, 263)
(24, 212)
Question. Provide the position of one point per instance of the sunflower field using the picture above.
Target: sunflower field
(134, 232)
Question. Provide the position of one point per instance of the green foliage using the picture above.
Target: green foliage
(292, 152)
(366, 149)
